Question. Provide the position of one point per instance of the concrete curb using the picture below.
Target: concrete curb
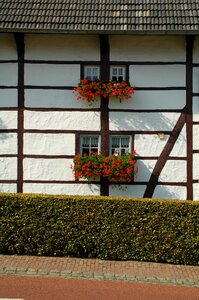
(68, 274)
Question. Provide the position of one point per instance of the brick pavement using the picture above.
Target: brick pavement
(126, 271)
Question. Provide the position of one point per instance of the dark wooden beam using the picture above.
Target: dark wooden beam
(19, 38)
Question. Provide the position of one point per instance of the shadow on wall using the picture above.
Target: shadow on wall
(3, 135)
(143, 121)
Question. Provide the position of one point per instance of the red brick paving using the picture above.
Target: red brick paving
(99, 269)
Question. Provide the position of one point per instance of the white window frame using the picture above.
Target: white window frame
(119, 150)
(91, 73)
(89, 136)
(116, 70)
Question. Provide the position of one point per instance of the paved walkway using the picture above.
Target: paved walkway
(125, 271)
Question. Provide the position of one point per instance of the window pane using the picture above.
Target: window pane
(120, 71)
(125, 141)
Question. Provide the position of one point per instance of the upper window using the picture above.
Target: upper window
(117, 73)
(89, 144)
(120, 144)
(91, 72)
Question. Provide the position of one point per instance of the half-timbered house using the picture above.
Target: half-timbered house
(46, 47)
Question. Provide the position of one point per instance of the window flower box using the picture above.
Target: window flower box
(115, 168)
(90, 90)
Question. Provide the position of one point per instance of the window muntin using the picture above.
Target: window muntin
(117, 73)
(120, 144)
(89, 143)
(91, 72)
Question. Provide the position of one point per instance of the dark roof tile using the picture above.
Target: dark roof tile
(99, 15)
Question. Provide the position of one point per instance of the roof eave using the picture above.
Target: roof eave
(111, 32)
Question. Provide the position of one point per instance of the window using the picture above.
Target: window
(91, 72)
(117, 73)
(120, 144)
(89, 143)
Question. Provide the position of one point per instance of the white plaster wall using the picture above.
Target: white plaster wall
(8, 119)
(8, 97)
(8, 167)
(147, 48)
(143, 121)
(67, 189)
(196, 50)
(8, 188)
(196, 138)
(180, 146)
(145, 169)
(196, 191)
(49, 144)
(174, 171)
(8, 74)
(47, 169)
(8, 142)
(52, 75)
(62, 120)
(151, 100)
(55, 99)
(157, 76)
(170, 192)
(62, 47)
(196, 166)
(149, 145)
(136, 191)
(195, 109)
(196, 80)
(8, 47)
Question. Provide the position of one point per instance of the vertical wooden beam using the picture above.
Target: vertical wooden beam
(19, 38)
(189, 116)
(104, 69)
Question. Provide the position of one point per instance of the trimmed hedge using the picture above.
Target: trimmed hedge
(100, 227)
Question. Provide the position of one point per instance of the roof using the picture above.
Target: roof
(100, 16)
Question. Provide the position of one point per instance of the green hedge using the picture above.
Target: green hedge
(100, 227)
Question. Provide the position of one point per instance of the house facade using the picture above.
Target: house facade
(43, 125)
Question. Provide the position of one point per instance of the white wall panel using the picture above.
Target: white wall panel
(145, 169)
(196, 50)
(49, 144)
(47, 169)
(8, 188)
(8, 119)
(174, 171)
(196, 191)
(196, 138)
(62, 120)
(170, 192)
(8, 167)
(151, 100)
(52, 75)
(8, 74)
(135, 191)
(8, 49)
(62, 47)
(8, 97)
(195, 109)
(147, 48)
(180, 147)
(143, 121)
(196, 166)
(8, 142)
(67, 189)
(149, 145)
(55, 99)
(196, 80)
(157, 76)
